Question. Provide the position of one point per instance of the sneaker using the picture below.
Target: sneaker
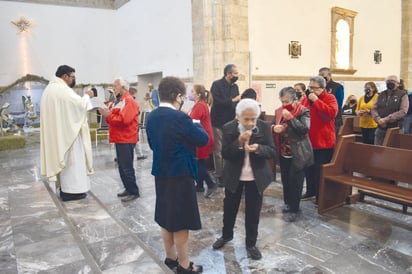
(200, 189)
(210, 191)
(172, 264)
(192, 269)
(123, 194)
(130, 197)
(254, 253)
(290, 217)
(307, 196)
(221, 242)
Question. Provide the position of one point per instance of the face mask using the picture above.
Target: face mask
(390, 85)
(191, 97)
(326, 79)
(234, 79)
(241, 128)
(367, 90)
(181, 104)
(73, 83)
(288, 107)
(353, 101)
(307, 92)
(298, 95)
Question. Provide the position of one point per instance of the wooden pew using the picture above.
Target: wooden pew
(351, 158)
(350, 126)
(395, 139)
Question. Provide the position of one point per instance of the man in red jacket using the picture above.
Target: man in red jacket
(323, 110)
(122, 119)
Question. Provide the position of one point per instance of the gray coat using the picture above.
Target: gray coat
(300, 145)
(234, 156)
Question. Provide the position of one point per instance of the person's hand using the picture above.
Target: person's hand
(313, 97)
(252, 147)
(278, 129)
(236, 99)
(382, 123)
(244, 137)
(104, 111)
(363, 112)
(90, 93)
(285, 113)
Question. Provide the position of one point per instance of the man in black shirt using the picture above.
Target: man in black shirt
(225, 97)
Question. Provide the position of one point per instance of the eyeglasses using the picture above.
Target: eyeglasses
(313, 88)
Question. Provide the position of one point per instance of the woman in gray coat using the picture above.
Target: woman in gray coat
(246, 147)
(290, 130)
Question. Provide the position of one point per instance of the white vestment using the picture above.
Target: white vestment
(65, 137)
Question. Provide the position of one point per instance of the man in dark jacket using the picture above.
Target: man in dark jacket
(390, 108)
(225, 97)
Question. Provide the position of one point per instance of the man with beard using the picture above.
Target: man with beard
(390, 108)
(65, 143)
(225, 95)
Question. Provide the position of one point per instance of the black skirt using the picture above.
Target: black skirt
(176, 204)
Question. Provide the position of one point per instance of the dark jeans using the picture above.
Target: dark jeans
(253, 205)
(292, 181)
(124, 153)
(321, 156)
(203, 174)
(217, 155)
(368, 135)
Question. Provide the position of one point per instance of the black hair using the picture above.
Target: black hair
(64, 69)
(249, 93)
(169, 88)
(228, 69)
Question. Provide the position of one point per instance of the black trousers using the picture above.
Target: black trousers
(253, 205)
(292, 181)
(368, 135)
(124, 154)
(321, 156)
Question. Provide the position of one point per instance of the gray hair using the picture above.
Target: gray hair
(392, 77)
(288, 91)
(245, 104)
(123, 83)
(320, 80)
(325, 69)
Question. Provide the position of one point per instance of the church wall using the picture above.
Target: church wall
(274, 23)
(80, 37)
(141, 37)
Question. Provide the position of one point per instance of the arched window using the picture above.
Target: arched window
(342, 40)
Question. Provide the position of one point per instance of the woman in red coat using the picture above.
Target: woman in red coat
(200, 112)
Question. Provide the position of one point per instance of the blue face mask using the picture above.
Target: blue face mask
(241, 128)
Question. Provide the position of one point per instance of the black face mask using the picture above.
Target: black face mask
(390, 85)
(307, 92)
(326, 79)
(73, 83)
(298, 95)
(234, 79)
(181, 104)
(367, 90)
(353, 101)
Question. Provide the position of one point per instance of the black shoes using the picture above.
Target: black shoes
(192, 269)
(200, 189)
(172, 264)
(253, 253)
(306, 196)
(130, 197)
(221, 242)
(71, 196)
(142, 157)
(285, 208)
(122, 194)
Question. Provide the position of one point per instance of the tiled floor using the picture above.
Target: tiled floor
(41, 234)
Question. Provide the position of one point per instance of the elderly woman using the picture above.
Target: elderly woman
(247, 144)
(290, 129)
(173, 137)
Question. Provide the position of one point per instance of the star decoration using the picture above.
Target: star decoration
(22, 24)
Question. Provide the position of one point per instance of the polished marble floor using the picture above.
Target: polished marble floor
(100, 234)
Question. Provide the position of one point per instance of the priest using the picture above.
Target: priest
(65, 144)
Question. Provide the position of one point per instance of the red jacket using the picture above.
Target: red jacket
(123, 121)
(322, 121)
(200, 111)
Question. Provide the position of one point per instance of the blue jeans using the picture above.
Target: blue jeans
(203, 174)
(407, 123)
(124, 153)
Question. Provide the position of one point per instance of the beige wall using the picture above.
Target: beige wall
(274, 23)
